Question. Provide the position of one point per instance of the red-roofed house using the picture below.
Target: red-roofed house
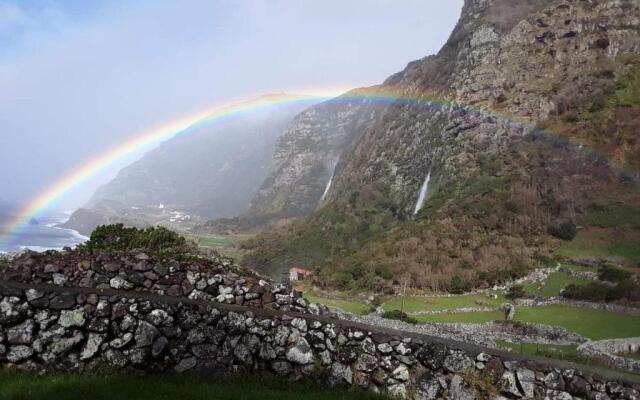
(299, 274)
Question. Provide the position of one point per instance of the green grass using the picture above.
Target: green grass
(579, 268)
(554, 284)
(414, 305)
(471, 317)
(223, 244)
(354, 307)
(614, 215)
(593, 324)
(214, 241)
(604, 243)
(20, 386)
(561, 352)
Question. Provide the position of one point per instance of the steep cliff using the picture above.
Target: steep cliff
(188, 177)
(525, 121)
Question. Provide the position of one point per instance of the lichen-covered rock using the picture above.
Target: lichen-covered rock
(458, 362)
(72, 318)
(526, 380)
(12, 310)
(92, 346)
(119, 282)
(458, 390)
(300, 352)
(22, 333)
(366, 362)
(186, 364)
(340, 374)
(18, 353)
(145, 334)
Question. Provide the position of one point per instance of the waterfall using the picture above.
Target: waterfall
(423, 194)
(326, 189)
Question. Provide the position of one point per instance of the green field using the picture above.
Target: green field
(354, 307)
(554, 284)
(416, 304)
(18, 386)
(543, 350)
(578, 268)
(606, 243)
(594, 324)
(224, 244)
(214, 241)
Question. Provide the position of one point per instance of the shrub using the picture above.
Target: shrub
(595, 291)
(613, 274)
(384, 272)
(466, 264)
(400, 316)
(120, 238)
(565, 231)
(516, 292)
(458, 285)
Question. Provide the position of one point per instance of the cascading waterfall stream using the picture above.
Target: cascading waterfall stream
(326, 189)
(423, 194)
(332, 167)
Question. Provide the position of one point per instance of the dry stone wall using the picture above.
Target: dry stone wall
(196, 278)
(613, 351)
(46, 327)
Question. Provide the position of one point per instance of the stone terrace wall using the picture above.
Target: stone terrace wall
(48, 328)
(196, 279)
(612, 352)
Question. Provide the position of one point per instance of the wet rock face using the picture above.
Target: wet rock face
(201, 279)
(127, 331)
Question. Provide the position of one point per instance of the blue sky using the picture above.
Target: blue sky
(79, 76)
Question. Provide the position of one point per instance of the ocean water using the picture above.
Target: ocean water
(43, 236)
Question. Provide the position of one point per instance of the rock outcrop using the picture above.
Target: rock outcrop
(488, 120)
(189, 175)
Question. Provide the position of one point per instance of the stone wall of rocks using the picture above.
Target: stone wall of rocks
(47, 328)
(612, 352)
(198, 278)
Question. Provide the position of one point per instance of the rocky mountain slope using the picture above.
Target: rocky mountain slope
(525, 123)
(189, 176)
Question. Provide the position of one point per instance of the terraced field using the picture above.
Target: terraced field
(413, 305)
(593, 324)
(554, 284)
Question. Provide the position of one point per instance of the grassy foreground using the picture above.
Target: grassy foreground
(18, 386)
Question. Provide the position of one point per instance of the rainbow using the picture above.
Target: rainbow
(155, 135)
(160, 133)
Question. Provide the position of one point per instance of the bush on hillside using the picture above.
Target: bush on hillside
(613, 274)
(516, 292)
(400, 316)
(594, 291)
(627, 291)
(564, 231)
(120, 238)
(458, 285)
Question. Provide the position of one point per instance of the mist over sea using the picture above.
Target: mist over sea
(42, 235)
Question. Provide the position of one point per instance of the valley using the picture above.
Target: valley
(467, 228)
